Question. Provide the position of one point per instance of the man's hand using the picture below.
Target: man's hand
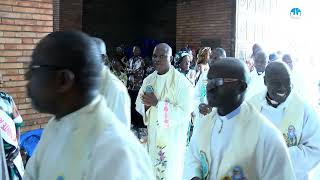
(149, 99)
(204, 109)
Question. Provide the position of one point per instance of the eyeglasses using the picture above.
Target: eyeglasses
(33, 68)
(220, 81)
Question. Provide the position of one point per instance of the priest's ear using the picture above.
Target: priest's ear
(243, 86)
(171, 59)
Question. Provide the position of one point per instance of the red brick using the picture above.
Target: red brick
(44, 23)
(10, 28)
(35, 41)
(27, 111)
(32, 10)
(10, 46)
(25, 46)
(16, 15)
(10, 40)
(26, 34)
(27, 53)
(9, 34)
(42, 17)
(41, 35)
(19, 100)
(15, 84)
(23, 59)
(14, 90)
(10, 53)
(11, 65)
(28, 4)
(36, 28)
(45, 5)
(24, 106)
(11, 71)
(25, 22)
(5, 7)
(7, 21)
(13, 78)
(1, 47)
(27, 40)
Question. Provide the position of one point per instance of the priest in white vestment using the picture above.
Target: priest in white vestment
(84, 140)
(298, 121)
(165, 102)
(113, 90)
(256, 84)
(235, 141)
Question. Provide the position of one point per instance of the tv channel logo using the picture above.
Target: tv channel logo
(295, 13)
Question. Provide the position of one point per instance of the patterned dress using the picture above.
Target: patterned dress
(135, 73)
(8, 106)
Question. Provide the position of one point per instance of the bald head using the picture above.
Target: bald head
(256, 48)
(287, 59)
(260, 61)
(162, 57)
(229, 68)
(277, 68)
(217, 54)
(165, 48)
(278, 81)
(101, 45)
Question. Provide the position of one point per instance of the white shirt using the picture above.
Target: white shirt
(306, 155)
(256, 84)
(266, 151)
(89, 144)
(116, 96)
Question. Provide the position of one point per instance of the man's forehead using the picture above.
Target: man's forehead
(161, 50)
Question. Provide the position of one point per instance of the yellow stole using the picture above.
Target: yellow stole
(240, 153)
(292, 121)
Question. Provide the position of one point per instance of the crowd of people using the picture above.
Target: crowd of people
(193, 115)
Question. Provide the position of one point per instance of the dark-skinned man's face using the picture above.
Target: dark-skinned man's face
(221, 93)
(136, 51)
(43, 86)
(278, 86)
(260, 63)
(161, 59)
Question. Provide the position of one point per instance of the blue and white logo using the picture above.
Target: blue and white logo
(295, 13)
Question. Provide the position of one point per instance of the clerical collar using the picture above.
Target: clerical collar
(259, 73)
(232, 114)
(165, 74)
(271, 102)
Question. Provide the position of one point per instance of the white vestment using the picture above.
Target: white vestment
(88, 144)
(222, 147)
(305, 154)
(116, 96)
(255, 85)
(167, 122)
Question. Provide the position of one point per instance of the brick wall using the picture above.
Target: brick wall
(70, 14)
(201, 20)
(22, 25)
